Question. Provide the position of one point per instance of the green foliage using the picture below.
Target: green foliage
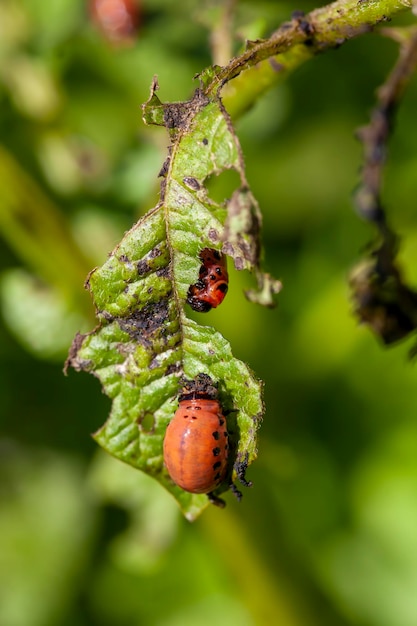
(326, 536)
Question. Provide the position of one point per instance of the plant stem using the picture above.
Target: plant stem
(267, 62)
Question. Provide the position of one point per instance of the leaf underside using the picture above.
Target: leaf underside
(145, 342)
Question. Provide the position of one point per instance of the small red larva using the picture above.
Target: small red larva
(213, 282)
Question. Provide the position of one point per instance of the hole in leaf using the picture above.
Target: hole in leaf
(146, 423)
(221, 187)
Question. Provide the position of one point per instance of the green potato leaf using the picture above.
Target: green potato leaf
(145, 343)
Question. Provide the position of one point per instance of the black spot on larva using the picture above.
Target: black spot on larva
(225, 433)
(221, 421)
(216, 435)
(223, 288)
(194, 417)
(202, 273)
(216, 465)
(186, 416)
(217, 477)
(216, 451)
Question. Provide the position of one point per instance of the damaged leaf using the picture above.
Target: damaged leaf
(383, 301)
(145, 343)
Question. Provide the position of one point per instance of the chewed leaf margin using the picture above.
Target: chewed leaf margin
(145, 342)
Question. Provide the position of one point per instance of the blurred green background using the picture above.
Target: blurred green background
(328, 534)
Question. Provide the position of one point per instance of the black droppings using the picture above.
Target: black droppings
(106, 315)
(239, 263)
(191, 182)
(144, 323)
(175, 114)
(236, 492)
(240, 469)
(172, 368)
(213, 235)
(163, 272)
(73, 360)
(164, 169)
(201, 387)
(155, 252)
(205, 141)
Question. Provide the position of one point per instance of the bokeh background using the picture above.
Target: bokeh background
(327, 536)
